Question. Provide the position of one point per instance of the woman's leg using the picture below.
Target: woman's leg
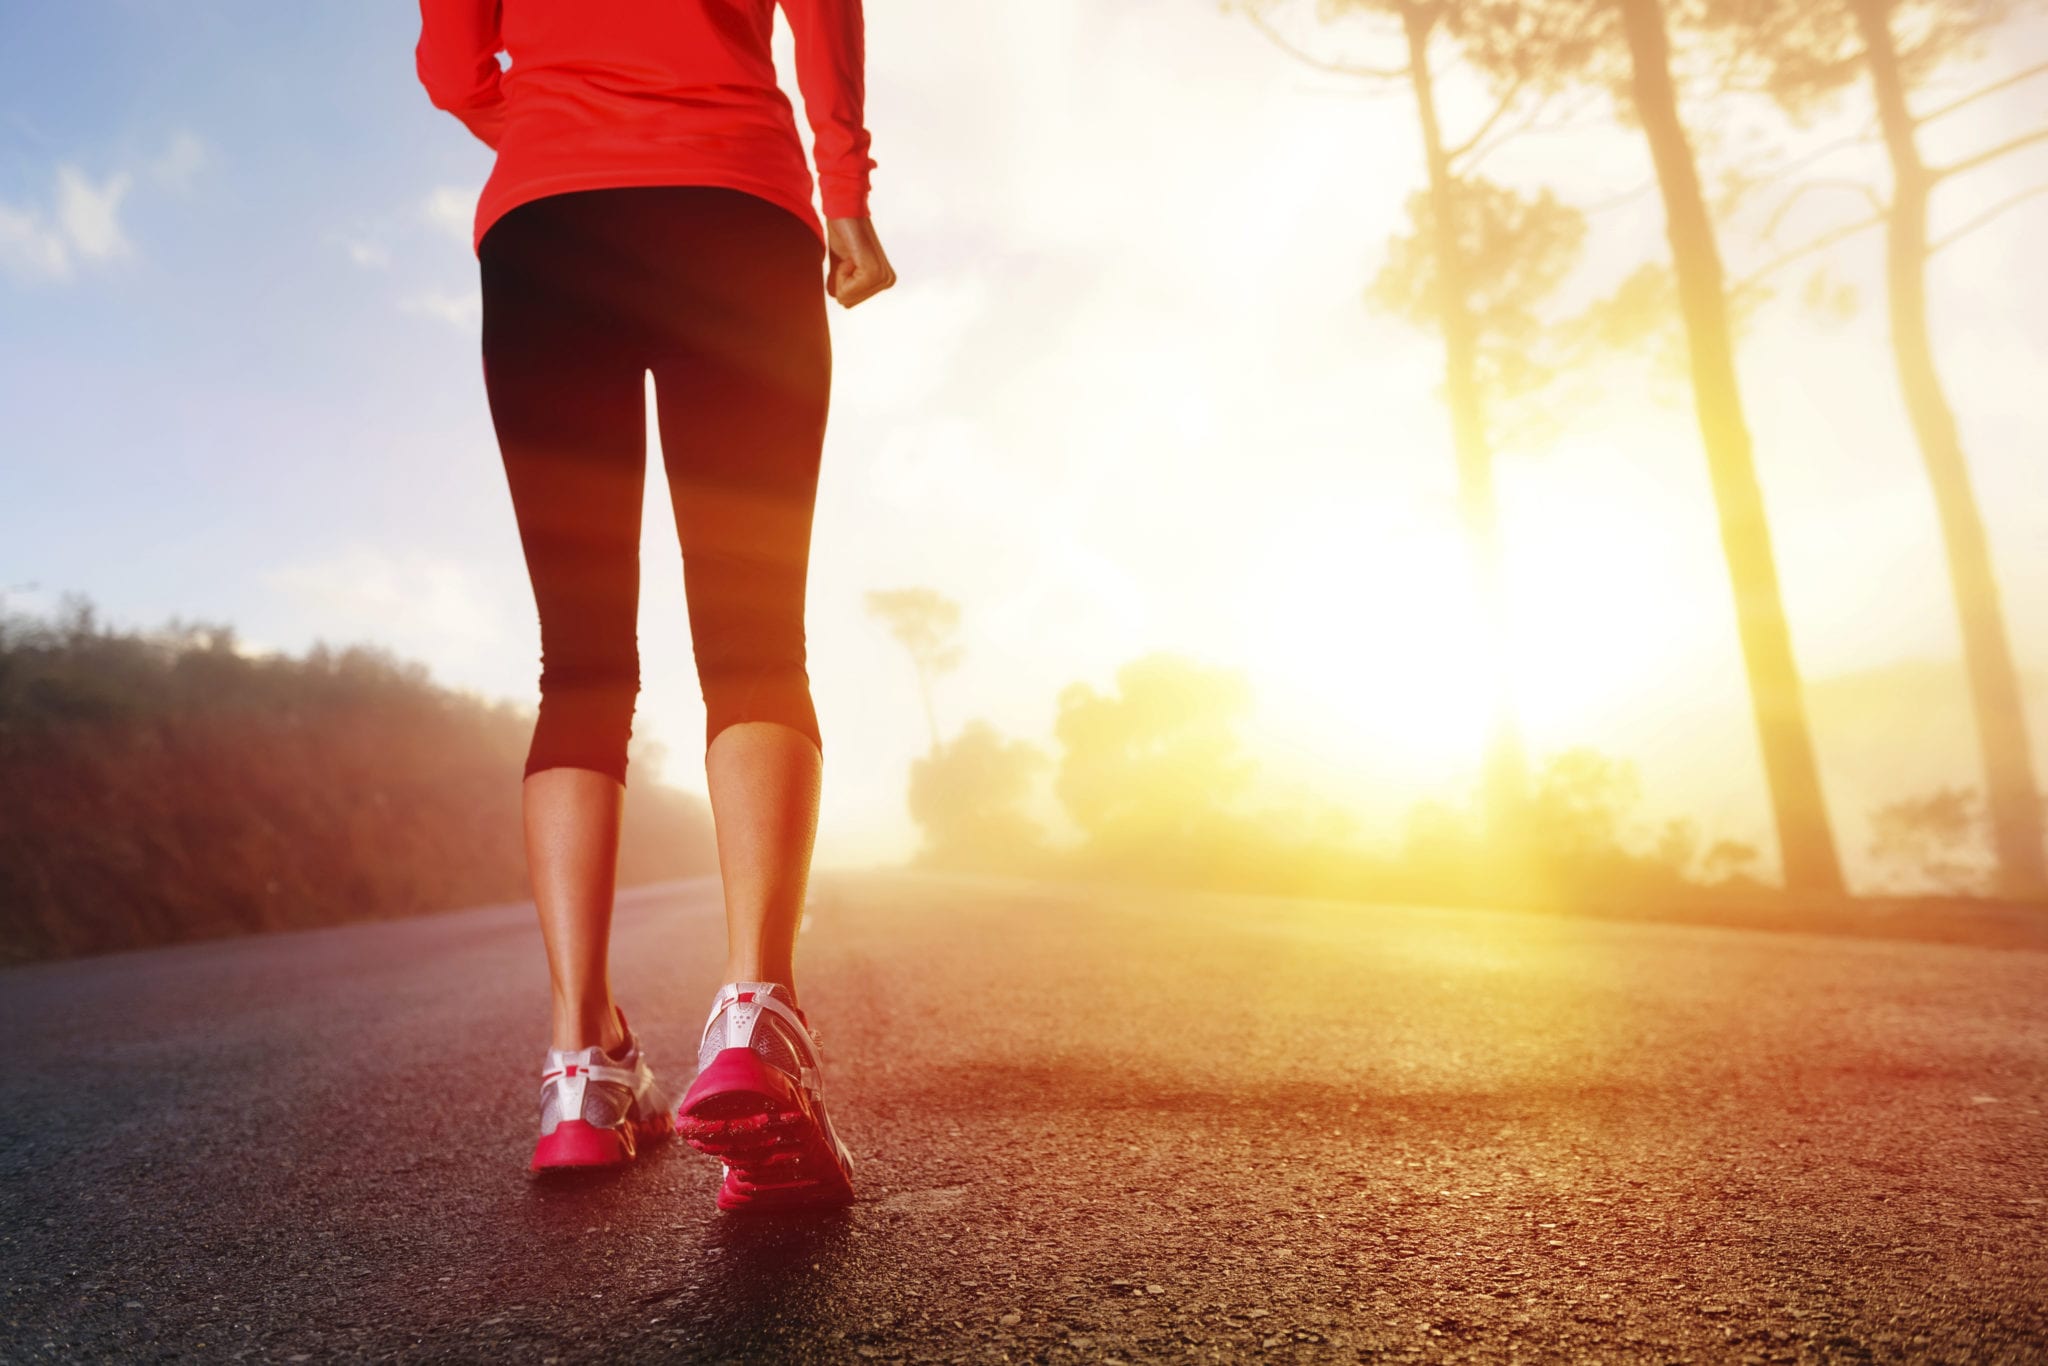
(572, 857)
(742, 373)
(567, 397)
(765, 779)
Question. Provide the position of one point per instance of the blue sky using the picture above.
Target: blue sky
(1127, 396)
(222, 388)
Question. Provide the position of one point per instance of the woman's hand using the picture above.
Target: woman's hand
(859, 268)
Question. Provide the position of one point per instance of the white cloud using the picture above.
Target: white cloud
(30, 247)
(84, 225)
(452, 209)
(83, 222)
(89, 214)
(445, 210)
(461, 310)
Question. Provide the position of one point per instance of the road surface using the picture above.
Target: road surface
(1089, 1125)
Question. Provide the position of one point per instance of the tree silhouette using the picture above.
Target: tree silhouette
(1623, 46)
(1151, 770)
(1516, 249)
(1930, 837)
(1474, 262)
(1729, 862)
(1582, 799)
(1806, 840)
(923, 621)
(1803, 56)
(968, 796)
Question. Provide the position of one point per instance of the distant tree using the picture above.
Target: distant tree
(1583, 799)
(1517, 248)
(1152, 769)
(1729, 861)
(1476, 259)
(969, 798)
(1585, 838)
(1678, 845)
(1623, 46)
(1640, 320)
(1806, 839)
(1933, 839)
(1804, 56)
(923, 622)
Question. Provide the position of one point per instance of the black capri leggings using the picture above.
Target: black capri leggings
(721, 294)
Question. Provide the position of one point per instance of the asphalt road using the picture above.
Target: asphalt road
(1088, 1125)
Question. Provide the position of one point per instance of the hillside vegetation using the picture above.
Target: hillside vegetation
(163, 786)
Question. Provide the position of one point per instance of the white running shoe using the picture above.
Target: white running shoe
(758, 1104)
(598, 1108)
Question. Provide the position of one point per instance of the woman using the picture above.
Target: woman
(650, 209)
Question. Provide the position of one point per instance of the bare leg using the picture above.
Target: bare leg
(765, 779)
(572, 858)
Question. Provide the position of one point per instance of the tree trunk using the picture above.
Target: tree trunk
(2014, 798)
(1806, 843)
(1506, 784)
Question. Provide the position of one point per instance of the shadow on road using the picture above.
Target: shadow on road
(745, 1283)
(770, 1280)
(791, 1248)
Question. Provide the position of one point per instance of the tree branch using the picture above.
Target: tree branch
(1281, 41)
(1971, 163)
(1531, 124)
(1820, 243)
(1777, 173)
(1615, 201)
(1985, 217)
(1975, 95)
(1507, 101)
(1785, 205)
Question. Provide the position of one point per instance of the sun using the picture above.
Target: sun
(1364, 625)
(1360, 624)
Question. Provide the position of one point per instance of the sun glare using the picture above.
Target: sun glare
(1613, 596)
(1367, 618)
(1360, 623)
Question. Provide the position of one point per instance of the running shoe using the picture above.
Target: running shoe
(598, 1108)
(758, 1104)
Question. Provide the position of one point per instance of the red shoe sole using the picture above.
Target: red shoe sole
(758, 1122)
(576, 1143)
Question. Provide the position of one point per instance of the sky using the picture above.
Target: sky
(1128, 395)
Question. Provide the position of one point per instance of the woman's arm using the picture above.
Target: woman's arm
(830, 58)
(457, 60)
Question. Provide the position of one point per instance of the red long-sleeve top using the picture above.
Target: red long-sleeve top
(651, 92)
